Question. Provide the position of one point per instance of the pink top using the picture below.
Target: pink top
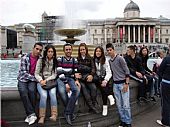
(33, 62)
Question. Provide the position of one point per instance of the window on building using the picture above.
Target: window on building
(95, 41)
(156, 39)
(166, 40)
(102, 31)
(102, 40)
(114, 40)
(166, 31)
(108, 40)
(95, 31)
(160, 31)
(89, 31)
(156, 30)
(160, 40)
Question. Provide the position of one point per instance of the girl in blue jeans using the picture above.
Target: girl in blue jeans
(46, 71)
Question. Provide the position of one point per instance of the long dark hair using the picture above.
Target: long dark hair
(140, 52)
(45, 57)
(79, 54)
(102, 58)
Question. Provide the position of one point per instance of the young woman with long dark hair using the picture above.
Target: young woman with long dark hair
(46, 71)
(87, 69)
(104, 74)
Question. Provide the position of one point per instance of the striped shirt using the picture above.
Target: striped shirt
(68, 67)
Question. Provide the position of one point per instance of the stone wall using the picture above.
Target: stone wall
(13, 110)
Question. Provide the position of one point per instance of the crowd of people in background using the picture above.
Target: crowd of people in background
(11, 53)
(110, 73)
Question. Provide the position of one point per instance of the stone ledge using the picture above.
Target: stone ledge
(13, 110)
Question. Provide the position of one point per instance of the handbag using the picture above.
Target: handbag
(49, 84)
(96, 78)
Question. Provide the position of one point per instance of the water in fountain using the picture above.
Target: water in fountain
(71, 22)
(9, 72)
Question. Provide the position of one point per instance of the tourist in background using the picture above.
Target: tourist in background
(137, 72)
(120, 75)
(27, 82)
(67, 81)
(46, 71)
(151, 76)
(164, 72)
(104, 74)
(87, 69)
(156, 68)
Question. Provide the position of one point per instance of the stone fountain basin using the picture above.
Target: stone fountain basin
(70, 32)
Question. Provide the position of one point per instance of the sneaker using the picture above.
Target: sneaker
(128, 125)
(104, 113)
(122, 124)
(160, 123)
(111, 99)
(27, 119)
(153, 99)
(32, 119)
(143, 99)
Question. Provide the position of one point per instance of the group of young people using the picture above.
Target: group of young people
(82, 74)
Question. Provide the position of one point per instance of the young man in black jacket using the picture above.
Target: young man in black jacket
(164, 72)
(137, 72)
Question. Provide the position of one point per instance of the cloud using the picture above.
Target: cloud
(29, 11)
(78, 7)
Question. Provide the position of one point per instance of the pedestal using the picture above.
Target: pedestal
(28, 43)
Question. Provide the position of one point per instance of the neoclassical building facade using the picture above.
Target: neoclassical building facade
(131, 29)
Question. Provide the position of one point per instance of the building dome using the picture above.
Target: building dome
(131, 7)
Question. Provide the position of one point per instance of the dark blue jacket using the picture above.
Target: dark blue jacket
(164, 69)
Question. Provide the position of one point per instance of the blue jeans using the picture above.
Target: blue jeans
(69, 103)
(43, 96)
(27, 92)
(122, 102)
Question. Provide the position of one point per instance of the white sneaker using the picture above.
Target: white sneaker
(104, 113)
(111, 99)
(32, 120)
(27, 119)
(160, 123)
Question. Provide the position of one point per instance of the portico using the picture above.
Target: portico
(136, 31)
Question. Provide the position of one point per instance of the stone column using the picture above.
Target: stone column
(143, 34)
(105, 36)
(149, 34)
(124, 34)
(138, 34)
(118, 34)
(154, 34)
(134, 34)
(159, 35)
(128, 34)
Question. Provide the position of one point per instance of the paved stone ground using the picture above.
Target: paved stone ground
(148, 118)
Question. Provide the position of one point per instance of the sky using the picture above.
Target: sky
(30, 11)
